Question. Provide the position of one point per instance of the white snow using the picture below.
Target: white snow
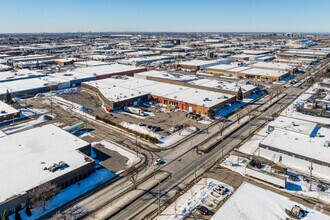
(250, 202)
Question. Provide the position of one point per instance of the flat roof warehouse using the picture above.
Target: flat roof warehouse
(128, 87)
(38, 148)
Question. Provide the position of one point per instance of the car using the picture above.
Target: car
(176, 128)
(142, 124)
(159, 161)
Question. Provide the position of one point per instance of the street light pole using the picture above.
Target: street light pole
(310, 175)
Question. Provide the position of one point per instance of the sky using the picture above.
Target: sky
(29, 16)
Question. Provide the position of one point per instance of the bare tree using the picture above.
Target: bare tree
(222, 126)
(72, 213)
(132, 177)
(239, 116)
(42, 194)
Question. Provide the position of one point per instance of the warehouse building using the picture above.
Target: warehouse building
(34, 85)
(124, 91)
(247, 72)
(53, 155)
(275, 66)
(198, 82)
(312, 54)
(299, 145)
(145, 60)
(196, 65)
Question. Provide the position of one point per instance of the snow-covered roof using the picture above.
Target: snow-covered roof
(198, 63)
(263, 72)
(166, 90)
(251, 202)
(229, 86)
(6, 109)
(280, 66)
(301, 144)
(255, 52)
(24, 155)
(293, 124)
(166, 75)
(74, 74)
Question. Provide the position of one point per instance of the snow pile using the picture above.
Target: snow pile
(250, 202)
(58, 92)
(176, 136)
(202, 193)
(132, 158)
(140, 129)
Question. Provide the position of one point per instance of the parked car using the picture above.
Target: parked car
(176, 128)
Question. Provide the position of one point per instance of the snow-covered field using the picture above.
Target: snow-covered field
(132, 158)
(202, 193)
(250, 202)
(69, 194)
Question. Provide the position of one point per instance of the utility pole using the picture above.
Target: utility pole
(237, 156)
(310, 175)
(159, 198)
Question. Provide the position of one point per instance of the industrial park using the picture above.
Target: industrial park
(164, 125)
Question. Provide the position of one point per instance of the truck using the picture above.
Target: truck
(133, 110)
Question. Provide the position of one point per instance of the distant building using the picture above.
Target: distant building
(196, 65)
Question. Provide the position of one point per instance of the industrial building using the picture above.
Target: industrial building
(125, 91)
(247, 72)
(196, 65)
(299, 145)
(275, 66)
(52, 155)
(72, 78)
(198, 82)
(312, 54)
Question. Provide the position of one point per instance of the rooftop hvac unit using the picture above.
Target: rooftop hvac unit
(327, 144)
